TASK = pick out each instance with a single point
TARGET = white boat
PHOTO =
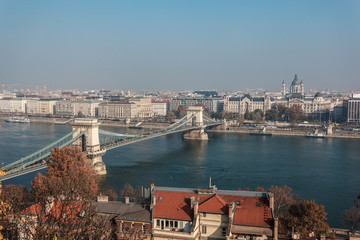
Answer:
(315, 134)
(17, 119)
(261, 133)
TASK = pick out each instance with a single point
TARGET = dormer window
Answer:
(257, 204)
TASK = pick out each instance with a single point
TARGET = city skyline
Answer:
(160, 45)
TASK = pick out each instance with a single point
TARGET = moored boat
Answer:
(17, 119)
(315, 134)
(261, 133)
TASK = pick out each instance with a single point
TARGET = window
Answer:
(171, 224)
(143, 229)
(167, 223)
(223, 233)
(204, 214)
(203, 229)
(258, 204)
(176, 224)
(181, 225)
(158, 223)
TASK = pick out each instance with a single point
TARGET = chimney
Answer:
(196, 209)
(192, 201)
(153, 201)
(271, 200)
(231, 212)
(127, 200)
(102, 198)
(152, 188)
(276, 228)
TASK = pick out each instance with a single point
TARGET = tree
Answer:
(170, 116)
(282, 112)
(67, 175)
(283, 198)
(247, 114)
(63, 197)
(4, 207)
(181, 111)
(127, 191)
(18, 198)
(351, 218)
(295, 113)
(272, 114)
(134, 195)
(258, 115)
(357, 202)
(259, 189)
(110, 192)
(306, 217)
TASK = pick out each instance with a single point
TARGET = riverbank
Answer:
(63, 121)
(284, 131)
(300, 132)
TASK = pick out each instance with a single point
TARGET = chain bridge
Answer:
(94, 142)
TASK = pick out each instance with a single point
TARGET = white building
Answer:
(245, 103)
(86, 108)
(160, 107)
(13, 105)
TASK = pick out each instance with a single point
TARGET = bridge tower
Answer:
(89, 142)
(198, 134)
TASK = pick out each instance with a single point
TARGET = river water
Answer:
(325, 170)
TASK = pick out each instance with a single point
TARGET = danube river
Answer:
(326, 170)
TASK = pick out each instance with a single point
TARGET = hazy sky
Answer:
(180, 44)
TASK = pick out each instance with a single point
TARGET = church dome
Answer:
(295, 81)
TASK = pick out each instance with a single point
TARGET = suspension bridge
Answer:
(94, 142)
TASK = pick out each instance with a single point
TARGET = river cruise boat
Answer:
(17, 120)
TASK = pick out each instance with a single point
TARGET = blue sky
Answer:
(180, 44)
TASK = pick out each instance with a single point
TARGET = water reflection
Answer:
(196, 149)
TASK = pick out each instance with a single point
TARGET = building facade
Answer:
(213, 104)
(184, 213)
(118, 110)
(352, 107)
(317, 103)
(240, 105)
(161, 107)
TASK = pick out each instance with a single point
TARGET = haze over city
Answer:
(178, 45)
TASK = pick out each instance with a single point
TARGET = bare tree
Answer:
(351, 218)
(283, 198)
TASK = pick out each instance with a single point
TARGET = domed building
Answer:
(310, 104)
(297, 88)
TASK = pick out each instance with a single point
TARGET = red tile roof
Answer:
(174, 205)
(66, 212)
(177, 205)
(214, 204)
(248, 213)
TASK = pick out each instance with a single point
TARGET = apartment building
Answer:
(118, 110)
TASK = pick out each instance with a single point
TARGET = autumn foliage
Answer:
(306, 217)
(67, 176)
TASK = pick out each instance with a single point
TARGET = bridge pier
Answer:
(89, 142)
(197, 134)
